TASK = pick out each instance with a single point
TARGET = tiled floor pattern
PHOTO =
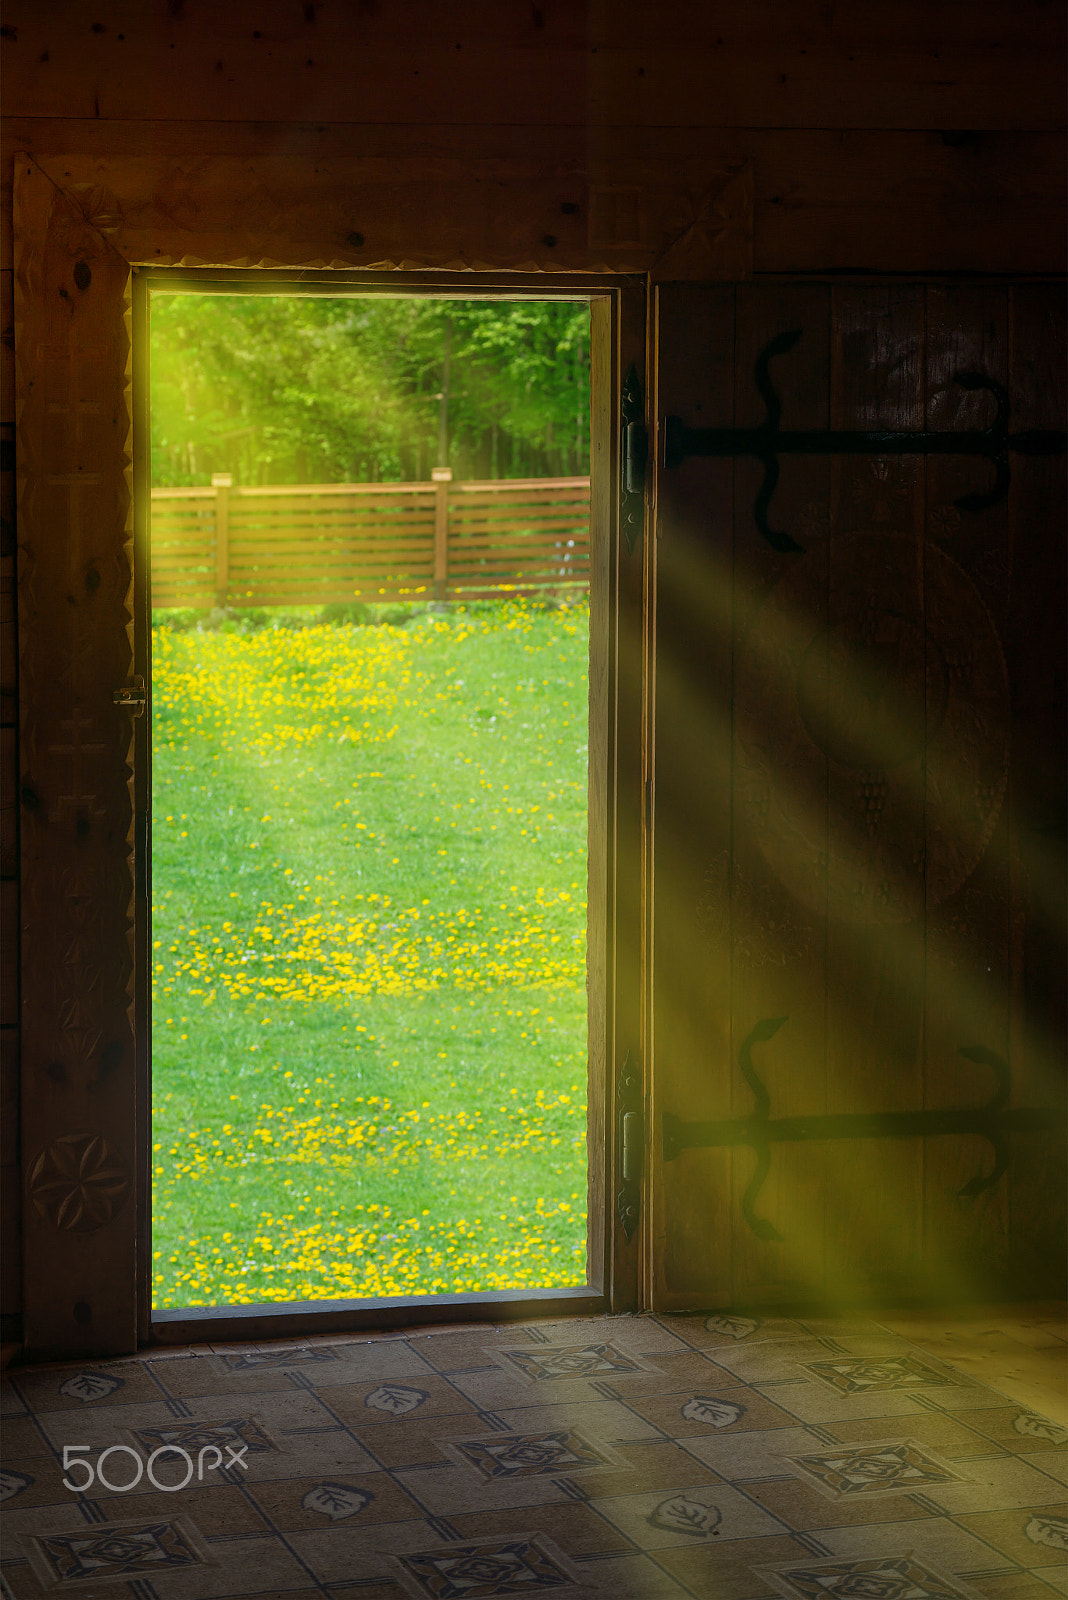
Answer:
(633, 1458)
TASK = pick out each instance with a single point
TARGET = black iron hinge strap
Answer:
(994, 1122)
(767, 442)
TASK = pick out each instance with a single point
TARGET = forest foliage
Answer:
(288, 389)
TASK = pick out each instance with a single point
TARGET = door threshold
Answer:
(312, 1318)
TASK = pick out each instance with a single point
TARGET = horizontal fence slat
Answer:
(332, 512)
(321, 544)
(351, 539)
(505, 558)
(489, 486)
(276, 491)
(315, 531)
(305, 547)
(558, 550)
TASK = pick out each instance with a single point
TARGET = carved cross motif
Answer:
(78, 748)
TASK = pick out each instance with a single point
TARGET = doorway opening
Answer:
(378, 914)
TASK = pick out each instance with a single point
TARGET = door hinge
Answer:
(132, 697)
(634, 437)
(630, 1144)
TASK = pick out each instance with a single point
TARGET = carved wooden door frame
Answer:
(85, 231)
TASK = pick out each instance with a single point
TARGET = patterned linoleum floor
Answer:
(635, 1458)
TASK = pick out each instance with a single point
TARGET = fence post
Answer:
(442, 477)
(221, 482)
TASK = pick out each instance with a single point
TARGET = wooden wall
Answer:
(687, 138)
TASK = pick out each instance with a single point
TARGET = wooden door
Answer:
(858, 776)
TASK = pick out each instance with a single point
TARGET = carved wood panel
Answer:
(78, 1080)
(384, 212)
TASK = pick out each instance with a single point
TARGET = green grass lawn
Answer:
(369, 1013)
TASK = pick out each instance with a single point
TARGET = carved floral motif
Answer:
(78, 1183)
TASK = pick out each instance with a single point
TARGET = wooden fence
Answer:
(322, 543)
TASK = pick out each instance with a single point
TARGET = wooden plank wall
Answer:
(693, 138)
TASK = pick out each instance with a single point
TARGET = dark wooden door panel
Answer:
(854, 803)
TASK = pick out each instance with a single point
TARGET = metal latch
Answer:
(132, 698)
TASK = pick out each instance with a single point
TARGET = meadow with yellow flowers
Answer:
(369, 954)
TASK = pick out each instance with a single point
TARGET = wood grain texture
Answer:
(777, 945)
(11, 1239)
(11, 1223)
(861, 889)
(875, 939)
(1038, 799)
(1018, 1349)
(968, 977)
(690, 771)
(8, 644)
(9, 859)
(10, 1175)
(604, 320)
(383, 213)
(629, 648)
(855, 199)
(805, 65)
(9, 1096)
(79, 1091)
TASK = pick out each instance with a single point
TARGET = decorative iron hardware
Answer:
(768, 442)
(994, 1122)
(132, 698)
(629, 1143)
(634, 438)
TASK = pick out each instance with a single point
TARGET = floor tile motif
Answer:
(13, 1483)
(335, 1500)
(1047, 1530)
(240, 1434)
(86, 1386)
(1036, 1427)
(396, 1398)
(606, 1458)
(897, 1468)
(571, 1361)
(716, 1413)
(684, 1513)
(520, 1455)
(467, 1571)
(881, 1579)
(91, 1555)
(856, 1376)
(256, 1360)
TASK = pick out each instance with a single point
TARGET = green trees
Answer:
(290, 389)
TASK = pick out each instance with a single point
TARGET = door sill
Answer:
(311, 1318)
